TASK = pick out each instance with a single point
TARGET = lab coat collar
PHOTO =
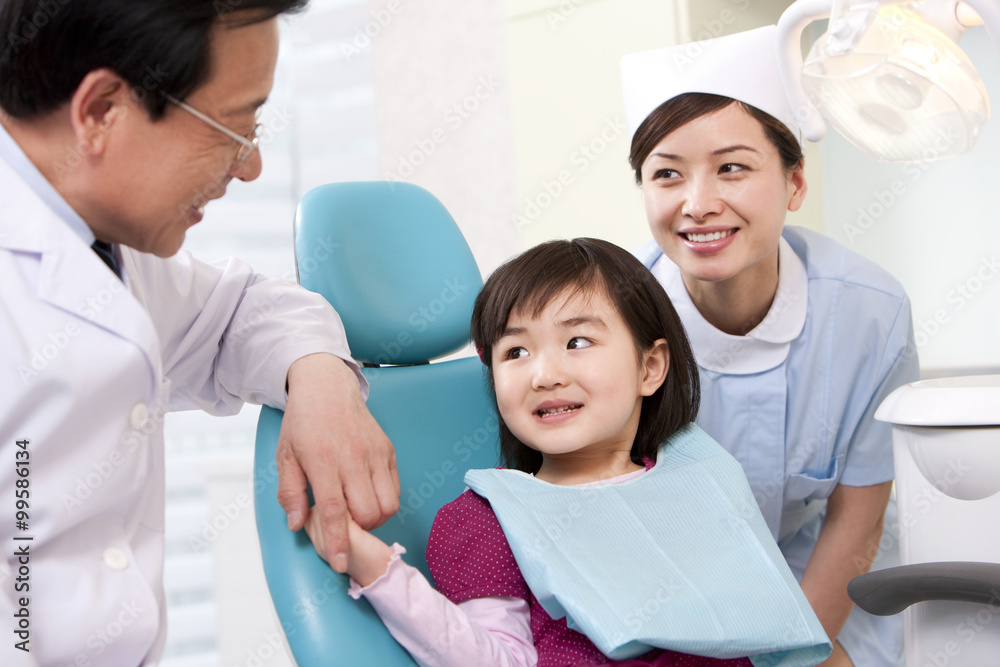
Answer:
(70, 276)
(12, 154)
(764, 347)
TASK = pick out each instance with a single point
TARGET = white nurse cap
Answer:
(743, 66)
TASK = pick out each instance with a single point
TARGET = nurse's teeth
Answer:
(704, 238)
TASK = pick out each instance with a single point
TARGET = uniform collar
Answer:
(764, 347)
(35, 220)
(11, 153)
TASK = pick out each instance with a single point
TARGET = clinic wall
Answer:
(570, 135)
(511, 113)
(442, 112)
(570, 141)
(936, 227)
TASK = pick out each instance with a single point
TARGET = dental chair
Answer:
(945, 433)
(393, 263)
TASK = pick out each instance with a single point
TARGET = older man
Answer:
(121, 120)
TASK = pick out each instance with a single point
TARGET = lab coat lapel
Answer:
(74, 278)
(71, 276)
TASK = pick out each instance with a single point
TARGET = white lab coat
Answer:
(88, 366)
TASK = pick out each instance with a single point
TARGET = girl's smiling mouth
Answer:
(550, 412)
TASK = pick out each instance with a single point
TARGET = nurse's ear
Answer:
(797, 186)
(102, 100)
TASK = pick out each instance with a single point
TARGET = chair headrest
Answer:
(391, 260)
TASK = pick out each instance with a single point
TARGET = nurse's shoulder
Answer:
(648, 253)
(826, 259)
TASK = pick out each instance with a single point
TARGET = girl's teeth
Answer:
(556, 411)
(704, 238)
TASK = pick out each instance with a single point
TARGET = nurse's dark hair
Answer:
(684, 108)
(526, 284)
(156, 46)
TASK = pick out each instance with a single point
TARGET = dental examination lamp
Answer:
(888, 74)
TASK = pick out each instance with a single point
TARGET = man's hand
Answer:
(329, 439)
(368, 556)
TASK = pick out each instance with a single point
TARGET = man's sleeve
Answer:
(228, 335)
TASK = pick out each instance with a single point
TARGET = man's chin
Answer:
(166, 253)
(162, 247)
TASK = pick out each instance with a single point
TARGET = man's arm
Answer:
(229, 335)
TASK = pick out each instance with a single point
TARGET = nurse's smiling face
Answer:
(716, 195)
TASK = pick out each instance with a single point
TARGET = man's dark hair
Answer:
(48, 46)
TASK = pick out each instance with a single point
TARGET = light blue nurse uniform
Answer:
(793, 400)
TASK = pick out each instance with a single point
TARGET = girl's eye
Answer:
(577, 343)
(731, 168)
(516, 353)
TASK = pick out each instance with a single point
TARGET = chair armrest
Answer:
(890, 591)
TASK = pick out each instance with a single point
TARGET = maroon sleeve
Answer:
(468, 554)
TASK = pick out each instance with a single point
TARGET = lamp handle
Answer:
(989, 12)
(790, 26)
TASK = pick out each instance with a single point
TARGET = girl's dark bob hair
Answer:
(527, 283)
(684, 108)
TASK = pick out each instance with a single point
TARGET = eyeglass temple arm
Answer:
(249, 145)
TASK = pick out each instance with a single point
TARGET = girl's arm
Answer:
(435, 631)
(847, 546)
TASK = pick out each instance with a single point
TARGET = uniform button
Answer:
(139, 416)
(115, 558)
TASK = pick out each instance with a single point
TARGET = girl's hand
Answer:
(367, 557)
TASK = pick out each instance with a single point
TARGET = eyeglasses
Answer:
(248, 143)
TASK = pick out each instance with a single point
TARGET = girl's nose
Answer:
(702, 199)
(548, 372)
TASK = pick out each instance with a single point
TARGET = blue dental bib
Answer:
(677, 558)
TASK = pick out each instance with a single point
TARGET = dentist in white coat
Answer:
(119, 121)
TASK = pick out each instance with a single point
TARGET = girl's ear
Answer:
(656, 363)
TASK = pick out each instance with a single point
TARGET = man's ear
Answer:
(656, 363)
(102, 100)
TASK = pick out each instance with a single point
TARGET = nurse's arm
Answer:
(847, 545)
(329, 439)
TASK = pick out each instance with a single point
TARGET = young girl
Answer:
(798, 340)
(614, 512)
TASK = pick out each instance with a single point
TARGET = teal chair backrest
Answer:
(395, 266)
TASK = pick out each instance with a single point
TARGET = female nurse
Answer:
(797, 339)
